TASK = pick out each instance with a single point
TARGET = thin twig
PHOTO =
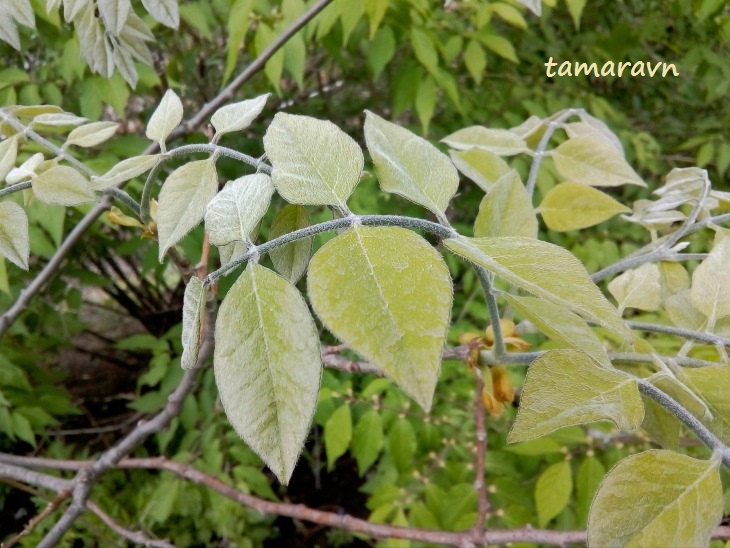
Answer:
(134, 536)
(48, 510)
(481, 446)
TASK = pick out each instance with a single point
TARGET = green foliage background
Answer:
(434, 68)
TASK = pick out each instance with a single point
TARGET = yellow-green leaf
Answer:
(387, 293)
(566, 387)
(337, 434)
(562, 326)
(90, 135)
(183, 200)
(712, 384)
(506, 210)
(314, 161)
(638, 288)
(8, 155)
(192, 319)
(291, 260)
(546, 271)
(475, 60)
(590, 474)
(124, 171)
(14, 240)
(481, 166)
(409, 165)
(593, 161)
(499, 141)
(268, 366)
(570, 206)
(552, 491)
(711, 281)
(657, 498)
(62, 185)
(367, 440)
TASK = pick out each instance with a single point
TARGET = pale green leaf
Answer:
(314, 162)
(183, 201)
(124, 171)
(594, 127)
(8, 29)
(295, 58)
(562, 326)
(409, 165)
(712, 383)
(566, 387)
(593, 161)
(552, 491)
(166, 117)
(402, 444)
(232, 251)
(387, 294)
(58, 119)
(22, 12)
(660, 424)
(380, 50)
(90, 135)
(475, 60)
(62, 185)
(8, 155)
(589, 477)
(711, 281)
(192, 321)
(683, 313)
(268, 366)
(575, 7)
(14, 240)
(506, 210)
(499, 141)
(657, 498)
(367, 440)
(638, 288)
(291, 260)
(114, 13)
(337, 434)
(236, 210)
(535, 6)
(164, 11)
(237, 116)
(26, 170)
(570, 206)
(481, 166)
(546, 271)
(673, 278)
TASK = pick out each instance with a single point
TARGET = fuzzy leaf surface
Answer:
(409, 165)
(566, 387)
(481, 166)
(291, 260)
(546, 271)
(236, 210)
(561, 325)
(498, 141)
(593, 161)
(314, 161)
(124, 171)
(638, 288)
(166, 117)
(633, 509)
(571, 206)
(183, 201)
(268, 366)
(62, 185)
(506, 210)
(387, 293)
(711, 281)
(90, 135)
(14, 240)
(193, 315)
(237, 116)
